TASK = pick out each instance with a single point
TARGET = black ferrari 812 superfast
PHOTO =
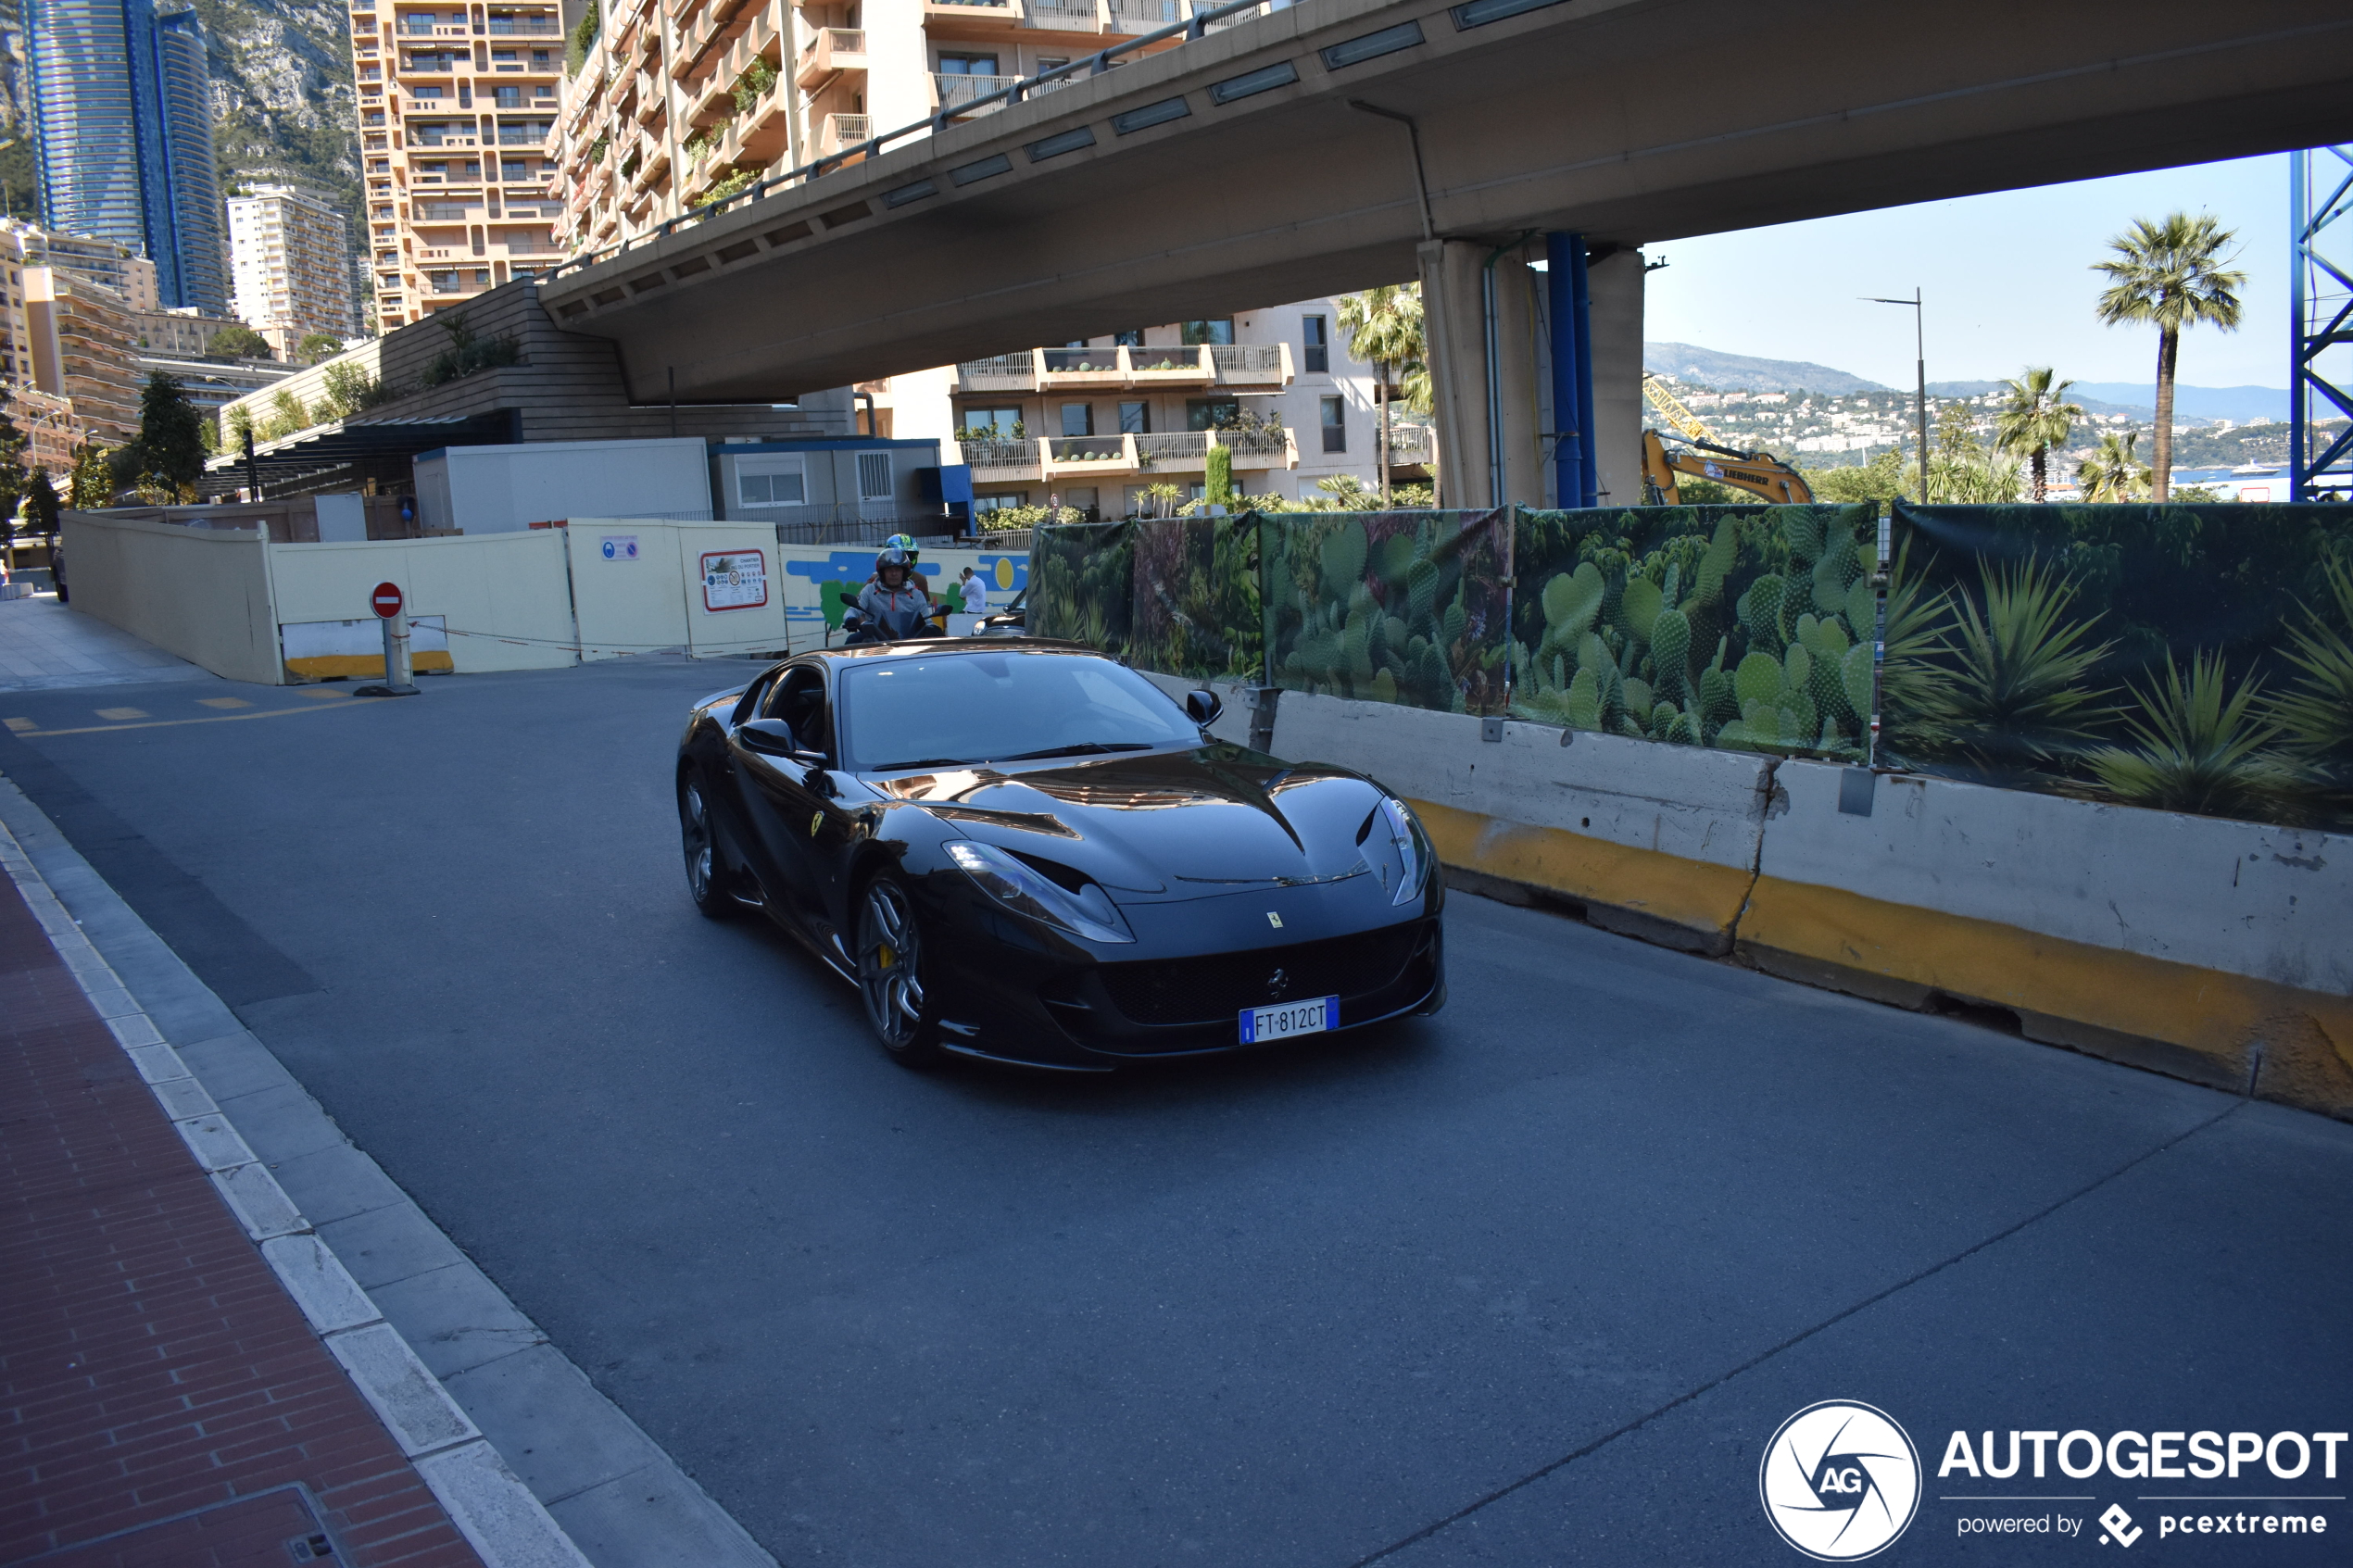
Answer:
(1019, 850)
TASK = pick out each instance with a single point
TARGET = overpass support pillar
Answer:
(1614, 419)
(1478, 308)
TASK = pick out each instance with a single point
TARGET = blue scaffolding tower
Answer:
(2321, 294)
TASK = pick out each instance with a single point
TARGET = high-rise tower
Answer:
(123, 128)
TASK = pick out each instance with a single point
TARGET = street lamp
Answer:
(1920, 364)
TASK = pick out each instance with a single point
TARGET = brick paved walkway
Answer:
(162, 1398)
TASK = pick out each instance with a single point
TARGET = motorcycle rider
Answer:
(893, 605)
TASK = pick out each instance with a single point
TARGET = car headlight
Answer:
(1408, 843)
(1022, 888)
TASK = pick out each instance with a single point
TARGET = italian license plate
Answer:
(1311, 1017)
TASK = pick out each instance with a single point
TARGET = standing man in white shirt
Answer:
(975, 591)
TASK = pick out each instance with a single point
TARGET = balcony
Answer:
(1078, 456)
(1174, 450)
(1252, 364)
(1131, 17)
(956, 91)
(524, 27)
(1411, 446)
(1002, 372)
(1001, 462)
(831, 52)
(1062, 17)
(836, 133)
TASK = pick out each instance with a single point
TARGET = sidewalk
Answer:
(45, 644)
(163, 1399)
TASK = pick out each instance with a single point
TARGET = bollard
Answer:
(396, 682)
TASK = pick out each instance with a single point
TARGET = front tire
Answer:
(706, 867)
(890, 975)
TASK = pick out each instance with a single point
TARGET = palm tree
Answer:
(1384, 327)
(2171, 273)
(2034, 419)
(2114, 472)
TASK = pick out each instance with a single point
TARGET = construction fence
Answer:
(2194, 659)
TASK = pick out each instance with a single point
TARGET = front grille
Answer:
(1215, 989)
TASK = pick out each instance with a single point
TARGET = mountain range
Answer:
(1740, 373)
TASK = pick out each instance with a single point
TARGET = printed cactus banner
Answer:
(1196, 598)
(2189, 658)
(1742, 627)
(1081, 584)
(1393, 607)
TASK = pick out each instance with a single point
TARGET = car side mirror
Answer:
(1203, 706)
(770, 738)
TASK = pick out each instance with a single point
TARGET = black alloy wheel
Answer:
(890, 970)
(706, 872)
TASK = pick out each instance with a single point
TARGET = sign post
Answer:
(391, 609)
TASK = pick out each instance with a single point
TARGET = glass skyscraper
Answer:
(127, 154)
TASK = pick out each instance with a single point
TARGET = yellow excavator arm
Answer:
(1760, 473)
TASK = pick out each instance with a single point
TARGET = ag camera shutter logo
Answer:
(1840, 1481)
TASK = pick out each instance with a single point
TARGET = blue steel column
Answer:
(1569, 305)
(2298, 173)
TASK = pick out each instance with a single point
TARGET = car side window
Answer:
(799, 700)
(754, 695)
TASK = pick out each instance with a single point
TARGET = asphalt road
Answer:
(1531, 1282)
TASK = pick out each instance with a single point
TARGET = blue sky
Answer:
(2005, 277)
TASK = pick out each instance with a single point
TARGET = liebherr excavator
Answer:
(1697, 453)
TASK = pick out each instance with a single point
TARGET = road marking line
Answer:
(320, 691)
(120, 713)
(20, 725)
(222, 702)
(210, 719)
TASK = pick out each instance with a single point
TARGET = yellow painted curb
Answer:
(1690, 896)
(326, 665)
(2227, 1030)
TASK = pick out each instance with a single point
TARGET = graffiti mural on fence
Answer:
(1081, 584)
(1395, 607)
(1196, 597)
(1743, 627)
(2185, 658)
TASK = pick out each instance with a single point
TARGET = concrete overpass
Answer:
(1245, 168)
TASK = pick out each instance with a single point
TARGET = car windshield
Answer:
(966, 707)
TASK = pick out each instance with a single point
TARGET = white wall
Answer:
(200, 592)
(499, 489)
(504, 598)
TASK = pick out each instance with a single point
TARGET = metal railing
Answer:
(522, 30)
(1003, 453)
(1246, 356)
(1144, 12)
(849, 131)
(1066, 18)
(1199, 23)
(1257, 443)
(1411, 443)
(957, 90)
(1187, 449)
(1006, 365)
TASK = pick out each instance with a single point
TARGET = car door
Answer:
(783, 795)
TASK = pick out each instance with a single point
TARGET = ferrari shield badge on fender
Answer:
(1274, 920)
(816, 821)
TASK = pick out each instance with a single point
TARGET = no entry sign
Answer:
(385, 600)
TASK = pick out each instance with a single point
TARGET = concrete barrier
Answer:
(2212, 951)
(200, 592)
(504, 599)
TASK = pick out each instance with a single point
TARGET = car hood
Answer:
(1163, 825)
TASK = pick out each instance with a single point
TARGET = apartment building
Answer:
(683, 101)
(286, 250)
(81, 344)
(120, 107)
(457, 102)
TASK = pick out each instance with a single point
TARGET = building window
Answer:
(1334, 425)
(1209, 413)
(1316, 337)
(873, 476)
(968, 65)
(771, 482)
(1135, 418)
(1220, 331)
(1002, 423)
(984, 505)
(1078, 418)
(1132, 338)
